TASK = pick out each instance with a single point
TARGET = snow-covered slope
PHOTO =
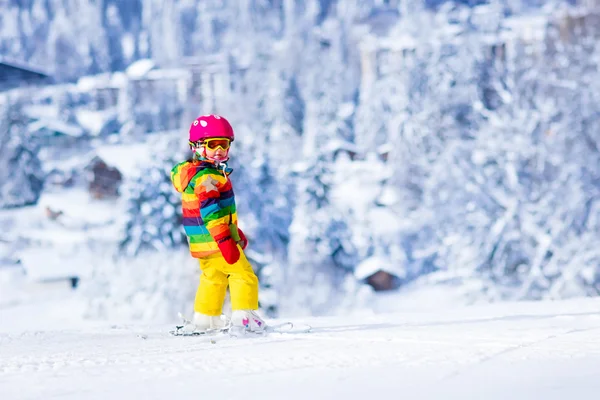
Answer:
(547, 350)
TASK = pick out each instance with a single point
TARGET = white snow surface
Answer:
(543, 350)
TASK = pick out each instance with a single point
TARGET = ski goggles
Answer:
(213, 144)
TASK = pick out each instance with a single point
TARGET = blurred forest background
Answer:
(382, 146)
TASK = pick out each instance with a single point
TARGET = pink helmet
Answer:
(210, 126)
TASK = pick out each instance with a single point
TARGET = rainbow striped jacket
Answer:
(208, 204)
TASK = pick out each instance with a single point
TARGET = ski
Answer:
(232, 331)
(283, 328)
(180, 331)
(288, 327)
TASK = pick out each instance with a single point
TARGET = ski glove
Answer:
(243, 241)
(229, 249)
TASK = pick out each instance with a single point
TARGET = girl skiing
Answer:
(210, 222)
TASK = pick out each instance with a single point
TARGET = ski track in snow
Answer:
(474, 352)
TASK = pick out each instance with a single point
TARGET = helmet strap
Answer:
(218, 161)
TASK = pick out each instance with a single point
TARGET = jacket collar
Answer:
(221, 166)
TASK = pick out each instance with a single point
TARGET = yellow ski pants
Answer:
(216, 276)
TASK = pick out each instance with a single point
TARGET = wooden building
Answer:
(14, 74)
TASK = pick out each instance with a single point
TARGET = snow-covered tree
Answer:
(154, 212)
(321, 251)
(21, 175)
(499, 197)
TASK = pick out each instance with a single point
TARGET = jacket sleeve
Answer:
(208, 188)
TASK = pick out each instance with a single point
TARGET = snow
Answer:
(102, 81)
(37, 111)
(398, 43)
(346, 110)
(128, 158)
(89, 83)
(470, 187)
(374, 264)
(140, 68)
(94, 120)
(58, 250)
(547, 350)
(164, 74)
(51, 263)
(55, 125)
(76, 204)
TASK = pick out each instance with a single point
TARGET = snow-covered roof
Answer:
(339, 144)
(102, 81)
(56, 125)
(127, 158)
(385, 148)
(94, 120)
(37, 111)
(171, 73)
(140, 68)
(25, 66)
(87, 83)
(375, 264)
(17, 76)
(118, 79)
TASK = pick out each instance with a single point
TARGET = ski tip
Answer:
(289, 327)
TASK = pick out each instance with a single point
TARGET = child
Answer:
(210, 222)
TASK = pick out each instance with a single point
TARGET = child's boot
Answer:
(247, 320)
(202, 322)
